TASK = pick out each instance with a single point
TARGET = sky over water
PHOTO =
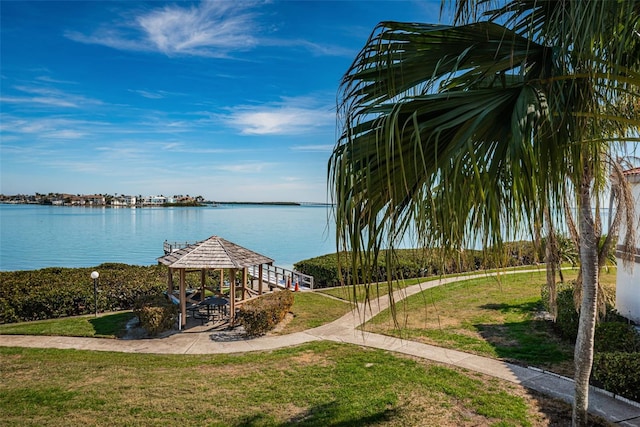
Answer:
(231, 100)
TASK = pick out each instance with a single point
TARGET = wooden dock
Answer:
(282, 278)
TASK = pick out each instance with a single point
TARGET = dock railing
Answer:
(282, 278)
(173, 246)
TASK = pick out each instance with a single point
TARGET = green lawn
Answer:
(377, 290)
(316, 384)
(111, 325)
(311, 309)
(494, 317)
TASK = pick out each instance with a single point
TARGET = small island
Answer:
(121, 200)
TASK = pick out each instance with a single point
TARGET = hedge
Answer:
(61, 292)
(412, 263)
(616, 364)
(262, 314)
(568, 318)
(618, 373)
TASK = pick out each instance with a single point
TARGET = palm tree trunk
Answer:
(583, 354)
(551, 259)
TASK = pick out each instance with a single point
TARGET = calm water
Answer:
(33, 236)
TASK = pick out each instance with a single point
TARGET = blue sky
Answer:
(231, 100)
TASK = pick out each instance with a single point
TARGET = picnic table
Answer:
(215, 306)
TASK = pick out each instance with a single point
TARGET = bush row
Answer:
(60, 292)
(411, 263)
(616, 365)
(619, 373)
(262, 314)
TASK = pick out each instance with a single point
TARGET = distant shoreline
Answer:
(171, 205)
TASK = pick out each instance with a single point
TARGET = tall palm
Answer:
(460, 133)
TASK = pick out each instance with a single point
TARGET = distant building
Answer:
(154, 200)
(628, 279)
(94, 199)
(123, 201)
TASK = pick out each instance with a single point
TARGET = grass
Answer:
(316, 384)
(311, 309)
(382, 289)
(112, 325)
(493, 317)
(375, 291)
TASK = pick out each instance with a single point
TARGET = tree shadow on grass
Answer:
(531, 342)
(527, 307)
(111, 325)
(330, 414)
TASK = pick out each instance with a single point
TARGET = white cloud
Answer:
(48, 79)
(220, 24)
(65, 134)
(53, 102)
(292, 116)
(48, 96)
(178, 147)
(47, 127)
(244, 168)
(325, 148)
(210, 29)
(148, 94)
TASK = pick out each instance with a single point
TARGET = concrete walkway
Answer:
(616, 410)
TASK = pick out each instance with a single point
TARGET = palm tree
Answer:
(468, 132)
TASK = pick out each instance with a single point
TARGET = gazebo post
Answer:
(170, 281)
(232, 293)
(203, 279)
(221, 279)
(260, 279)
(245, 279)
(183, 298)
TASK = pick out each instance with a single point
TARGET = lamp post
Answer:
(94, 276)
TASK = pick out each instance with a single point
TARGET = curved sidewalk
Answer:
(619, 411)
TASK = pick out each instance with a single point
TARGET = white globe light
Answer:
(94, 275)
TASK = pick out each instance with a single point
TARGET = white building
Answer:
(628, 278)
(155, 200)
(128, 201)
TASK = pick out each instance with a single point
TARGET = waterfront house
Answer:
(123, 201)
(628, 277)
(154, 200)
(94, 199)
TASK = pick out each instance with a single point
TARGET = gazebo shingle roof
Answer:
(213, 253)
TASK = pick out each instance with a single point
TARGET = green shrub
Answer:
(568, 317)
(262, 314)
(155, 313)
(60, 292)
(616, 337)
(606, 330)
(618, 373)
(7, 313)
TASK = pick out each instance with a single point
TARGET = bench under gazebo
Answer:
(214, 253)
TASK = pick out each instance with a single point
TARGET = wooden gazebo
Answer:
(214, 253)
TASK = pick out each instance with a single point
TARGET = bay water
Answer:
(36, 236)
